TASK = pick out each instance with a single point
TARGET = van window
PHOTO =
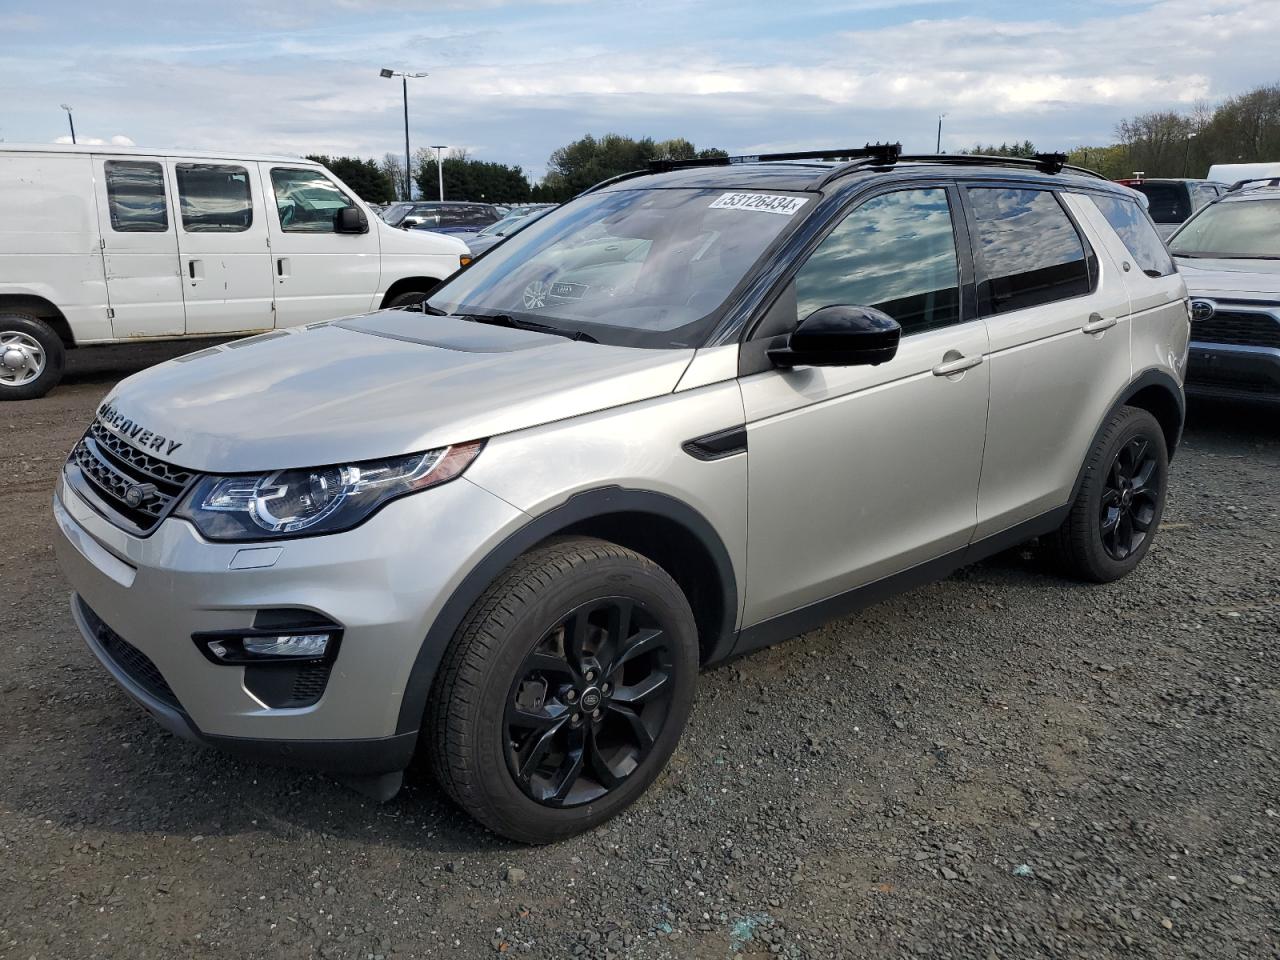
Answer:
(214, 198)
(897, 253)
(306, 200)
(1139, 236)
(135, 196)
(1027, 247)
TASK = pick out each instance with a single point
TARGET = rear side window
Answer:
(1139, 236)
(214, 198)
(307, 201)
(897, 253)
(1028, 248)
(135, 196)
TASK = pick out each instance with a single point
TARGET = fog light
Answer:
(307, 645)
(267, 647)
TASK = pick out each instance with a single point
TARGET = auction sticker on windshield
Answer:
(761, 202)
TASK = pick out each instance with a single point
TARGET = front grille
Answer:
(1239, 327)
(135, 664)
(111, 466)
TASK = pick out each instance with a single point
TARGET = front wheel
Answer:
(565, 690)
(31, 357)
(1120, 502)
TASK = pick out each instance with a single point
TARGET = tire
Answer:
(31, 357)
(1091, 544)
(485, 689)
(413, 298)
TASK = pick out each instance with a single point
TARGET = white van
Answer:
(1230, 173)
(104, 244)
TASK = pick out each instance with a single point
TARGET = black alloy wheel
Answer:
(1129, 498)
(589, 702)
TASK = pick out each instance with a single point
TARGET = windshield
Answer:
(645, 268)
(1166, 202)
(1235, 229)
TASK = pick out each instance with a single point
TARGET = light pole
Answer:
(387, 74)
(70, 121)
(439, 167)
(1186, 157)
(938, 147)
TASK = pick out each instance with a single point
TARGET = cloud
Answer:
(516, 80)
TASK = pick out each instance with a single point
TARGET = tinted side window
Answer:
(135, 196)
(1027, 247)
(306, 200)
(214, 198)
(1139, 236)
(897, 253)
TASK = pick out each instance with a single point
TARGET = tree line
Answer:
(570, 170)
(1166, 143)
(1241, 129)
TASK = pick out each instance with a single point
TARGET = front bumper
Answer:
(1233, 371)
(382, 583)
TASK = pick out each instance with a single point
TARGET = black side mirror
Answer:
(840, 336)
(350, 220)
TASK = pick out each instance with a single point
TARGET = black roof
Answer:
(809, 175)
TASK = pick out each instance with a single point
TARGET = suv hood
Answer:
(374, 386)
(1231, 279)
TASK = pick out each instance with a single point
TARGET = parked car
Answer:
(1171, 201)
(107, 244)
(688, 414)
(514, 222)
(1229, 255)
(447, 217)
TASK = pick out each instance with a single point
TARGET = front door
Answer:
(139, 248)
(858, 473)
(222, 240)
(319, 273)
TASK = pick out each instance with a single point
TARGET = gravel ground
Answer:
(1002, 765)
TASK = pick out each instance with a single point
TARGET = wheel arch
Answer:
(43, 309)
(1161, 396)
(408, 285)
(666, 530)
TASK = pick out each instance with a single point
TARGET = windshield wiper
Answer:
(506, 320)
(433, 311)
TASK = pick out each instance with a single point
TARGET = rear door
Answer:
(1058, 317)
(319, 273)
(222, 239)
(139, 247)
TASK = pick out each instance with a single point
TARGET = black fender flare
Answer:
(587, 505)
(1148, 378)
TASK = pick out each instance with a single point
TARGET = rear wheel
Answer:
(1120, 502)
(565, 691)
(413, 298)
(31, 357)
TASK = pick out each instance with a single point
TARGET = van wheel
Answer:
(565, 690)
(411, 299)
(31, 357)
(1119, 505)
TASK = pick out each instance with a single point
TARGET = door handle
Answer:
(282, 267)
(959, 365)
(195, 269)
(1096, 324)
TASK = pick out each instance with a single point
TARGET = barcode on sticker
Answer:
(762, 202)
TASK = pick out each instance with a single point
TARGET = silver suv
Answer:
(695, 411)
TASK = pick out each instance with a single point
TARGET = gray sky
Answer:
(510, 81)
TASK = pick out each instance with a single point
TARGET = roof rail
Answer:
(1241, 184)
(1044, 162)
(877, 152)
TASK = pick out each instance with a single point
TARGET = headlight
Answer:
(288, 503)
